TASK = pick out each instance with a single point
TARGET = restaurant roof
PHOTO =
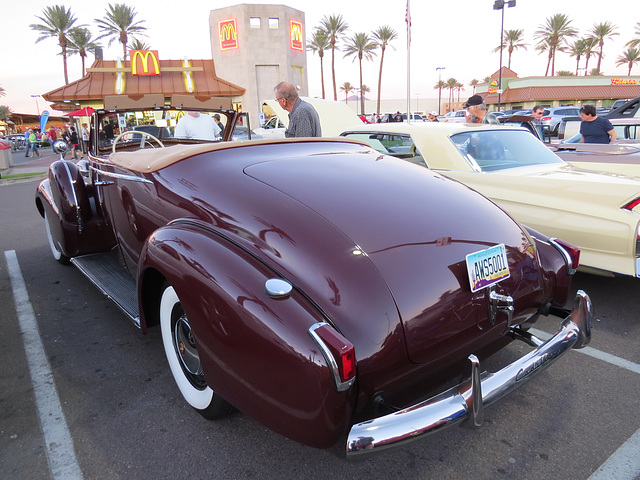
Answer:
(107, 77)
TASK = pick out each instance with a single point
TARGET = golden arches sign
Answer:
(295, 33)
(228, 32)
(140, 59)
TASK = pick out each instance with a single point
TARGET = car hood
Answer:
(380, 246)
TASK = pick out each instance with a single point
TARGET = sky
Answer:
(459, 35)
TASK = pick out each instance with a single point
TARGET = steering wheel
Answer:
(142, 142)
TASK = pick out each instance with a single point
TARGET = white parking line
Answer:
(592, 352)
(624, 464)
(57, 439)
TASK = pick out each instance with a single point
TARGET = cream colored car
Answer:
(597, 212)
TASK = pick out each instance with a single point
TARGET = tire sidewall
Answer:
(198, 399)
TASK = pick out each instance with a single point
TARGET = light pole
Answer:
(499, 5)
(439, 70)
(417, 99)
(37, 106)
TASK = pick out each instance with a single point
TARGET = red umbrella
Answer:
(83, 112)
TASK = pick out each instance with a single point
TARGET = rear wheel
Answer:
(55, 251)
(184, 360)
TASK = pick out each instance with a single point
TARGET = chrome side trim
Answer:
(121, 176)
(467, 400)
(565, 255)
(331, 362)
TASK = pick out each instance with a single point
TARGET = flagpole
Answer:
(408, 20)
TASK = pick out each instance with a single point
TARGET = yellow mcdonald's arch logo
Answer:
(141, 57)
(295, 32)
(228, 31)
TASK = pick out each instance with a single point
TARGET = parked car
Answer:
(627, 131)
(17, 141)
(626, 110)
(552, 116)
(597, 212)
(311, 283)
(274, 128)
(334, 117)
(454, 116)
(527, 121)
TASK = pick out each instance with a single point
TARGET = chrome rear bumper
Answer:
(467, 400)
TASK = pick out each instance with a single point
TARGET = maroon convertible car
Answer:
(313, 284)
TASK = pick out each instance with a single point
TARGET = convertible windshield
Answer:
(493, 150)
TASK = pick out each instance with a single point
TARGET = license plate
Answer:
(487, 267)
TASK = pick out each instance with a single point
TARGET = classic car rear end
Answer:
(314, 284)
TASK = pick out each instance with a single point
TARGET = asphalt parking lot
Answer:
(86, 395)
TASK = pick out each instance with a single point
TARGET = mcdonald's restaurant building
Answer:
(253, 47)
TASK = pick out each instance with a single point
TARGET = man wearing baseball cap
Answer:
(433, 116)
(477, 111)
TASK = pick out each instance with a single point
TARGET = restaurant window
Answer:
(254, 22)
(274, 22)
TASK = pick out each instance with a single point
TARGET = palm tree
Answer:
(319, 43)
(334, 26)
(57, 22)
(360, 46)
(5, 112)
(3, 92)
(552, 37)
(459, 88)
(590, 43)
(439, 86)
(474, 83)
(451, 85)
(630, 56)
(602, 31)
(347, 88)
(138, 44)
(577, 49)
(80, 42)
(636, 41)
(383, 36)
(119, 24)
(513, 40)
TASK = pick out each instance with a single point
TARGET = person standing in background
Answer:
(303, 118)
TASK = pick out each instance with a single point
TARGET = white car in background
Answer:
(334, 118)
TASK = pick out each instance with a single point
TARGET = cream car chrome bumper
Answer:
(466, 401)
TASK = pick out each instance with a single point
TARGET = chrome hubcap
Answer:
(185, 346)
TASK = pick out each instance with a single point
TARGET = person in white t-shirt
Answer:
(197, 125)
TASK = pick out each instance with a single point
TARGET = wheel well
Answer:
(150, 292)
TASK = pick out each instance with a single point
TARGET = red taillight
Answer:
(632, 204)
(338, 352)
(570, 252)
(543, 119)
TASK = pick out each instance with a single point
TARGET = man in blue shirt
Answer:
(595, 129)
(303, 118)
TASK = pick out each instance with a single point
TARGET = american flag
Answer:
(407, 18)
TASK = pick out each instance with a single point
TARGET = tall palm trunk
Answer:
(333, 68)
(380, 79)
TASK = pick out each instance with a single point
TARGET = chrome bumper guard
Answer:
(466, 401)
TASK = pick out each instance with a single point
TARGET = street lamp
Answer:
(499, 5)
(439, 70)
(417, 105)
(37, 106)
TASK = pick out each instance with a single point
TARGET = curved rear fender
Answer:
(70, 210)
(257, 352)
(555, 267)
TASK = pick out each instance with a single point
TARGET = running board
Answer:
(106, 272)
